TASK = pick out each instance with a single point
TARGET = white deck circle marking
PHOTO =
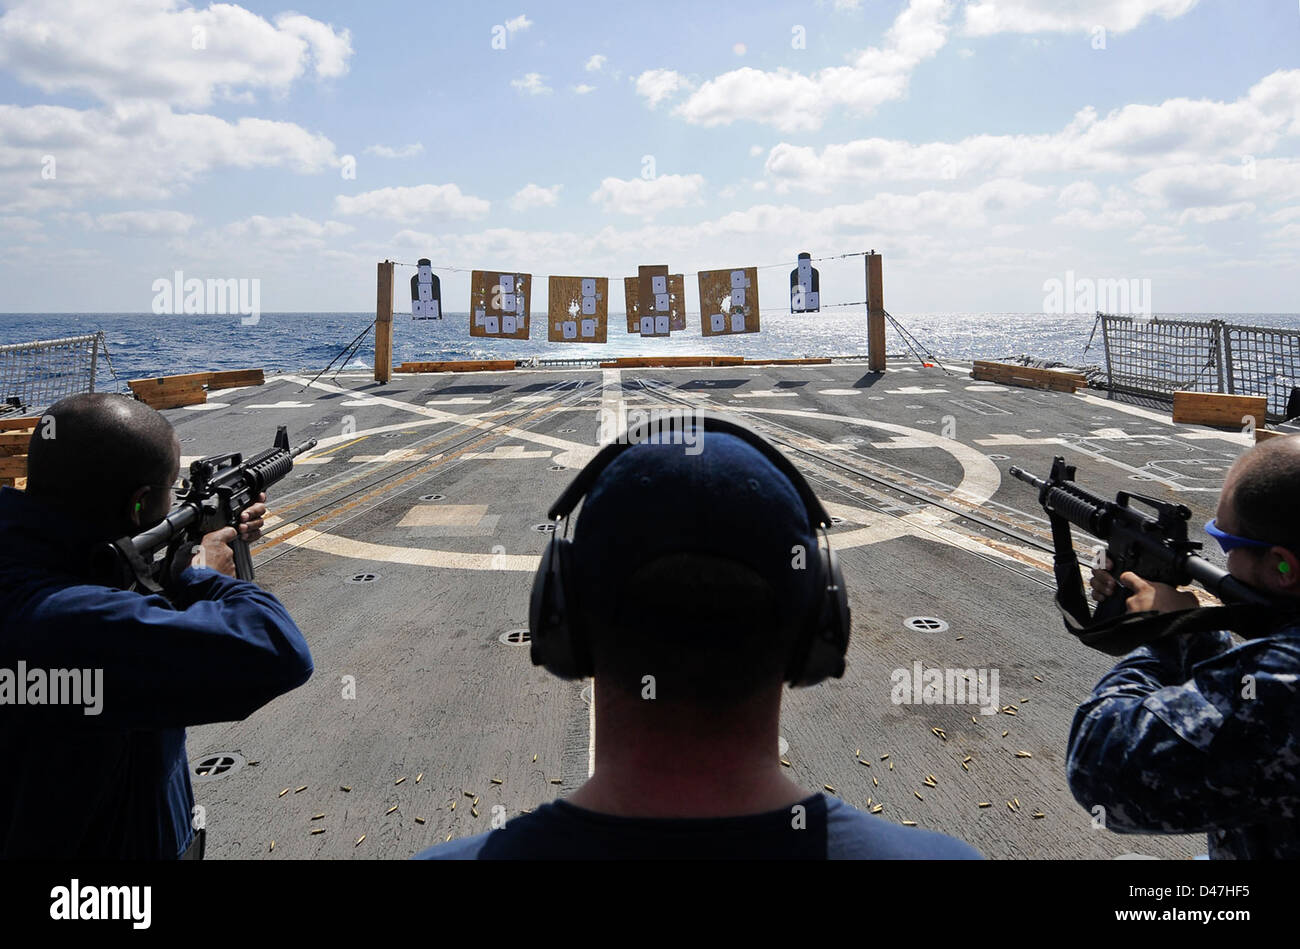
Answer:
(980, 480)
(415, 556)
(980, 476)
(206, 406)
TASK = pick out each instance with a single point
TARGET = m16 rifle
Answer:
(1153, 546)
(219, 488)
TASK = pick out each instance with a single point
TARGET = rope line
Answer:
(448, 268)
(346, 349)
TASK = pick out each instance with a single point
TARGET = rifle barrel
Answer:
(1026, 477)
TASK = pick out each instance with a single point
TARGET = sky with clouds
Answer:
(982, 146)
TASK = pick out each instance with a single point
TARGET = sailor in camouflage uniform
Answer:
(1193, 733)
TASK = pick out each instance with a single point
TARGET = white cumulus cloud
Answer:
(402, 151)
(1216, 213)
(1129, 139)
(1270, 181)
(986, 17)
(1111, 215)
(140, 223)
(794, 101)
(1079, 194)
(535, 196)
(407, 203)
(161, 51)
(656, 85)
(293, 226)
(646, 197)
(265, 237)
(140, 152)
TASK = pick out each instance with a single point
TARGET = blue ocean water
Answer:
(149, 345)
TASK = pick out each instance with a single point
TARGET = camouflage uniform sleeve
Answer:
(1190, 735)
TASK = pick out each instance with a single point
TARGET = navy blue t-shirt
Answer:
(825, 829)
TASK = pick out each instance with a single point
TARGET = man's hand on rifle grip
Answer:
(215, 552)
(1102, 583)
(1160, 597)
(251, 520)
(1143, 596)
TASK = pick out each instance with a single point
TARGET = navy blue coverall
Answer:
(116, 784)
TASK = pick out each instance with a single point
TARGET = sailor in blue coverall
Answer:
(110, 778)
(1194, 732)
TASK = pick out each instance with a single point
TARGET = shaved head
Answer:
(90, 452)
(1261, 495)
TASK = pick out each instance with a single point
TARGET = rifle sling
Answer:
(131, 557)
(1121, 635)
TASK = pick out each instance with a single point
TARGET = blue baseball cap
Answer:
(718, 499)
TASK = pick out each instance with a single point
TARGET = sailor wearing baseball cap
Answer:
(693, 587)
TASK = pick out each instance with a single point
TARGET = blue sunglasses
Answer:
(1231, 541)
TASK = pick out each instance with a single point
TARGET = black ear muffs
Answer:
(543, 617)
(558, 640)
(828, 640)
(552, 618)
(824, 639)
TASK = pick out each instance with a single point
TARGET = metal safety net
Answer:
(1160, 357)
(35, 375)
(1262, 361)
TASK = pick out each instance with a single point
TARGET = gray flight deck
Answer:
(405, 544)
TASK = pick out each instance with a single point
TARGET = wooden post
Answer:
(384, 323)
(875, 315)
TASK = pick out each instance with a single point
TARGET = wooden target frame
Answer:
(642, 297)
(497, 300)
(571, 311)
(729, 301)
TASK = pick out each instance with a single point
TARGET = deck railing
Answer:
(35, 375)
(1156, 357)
